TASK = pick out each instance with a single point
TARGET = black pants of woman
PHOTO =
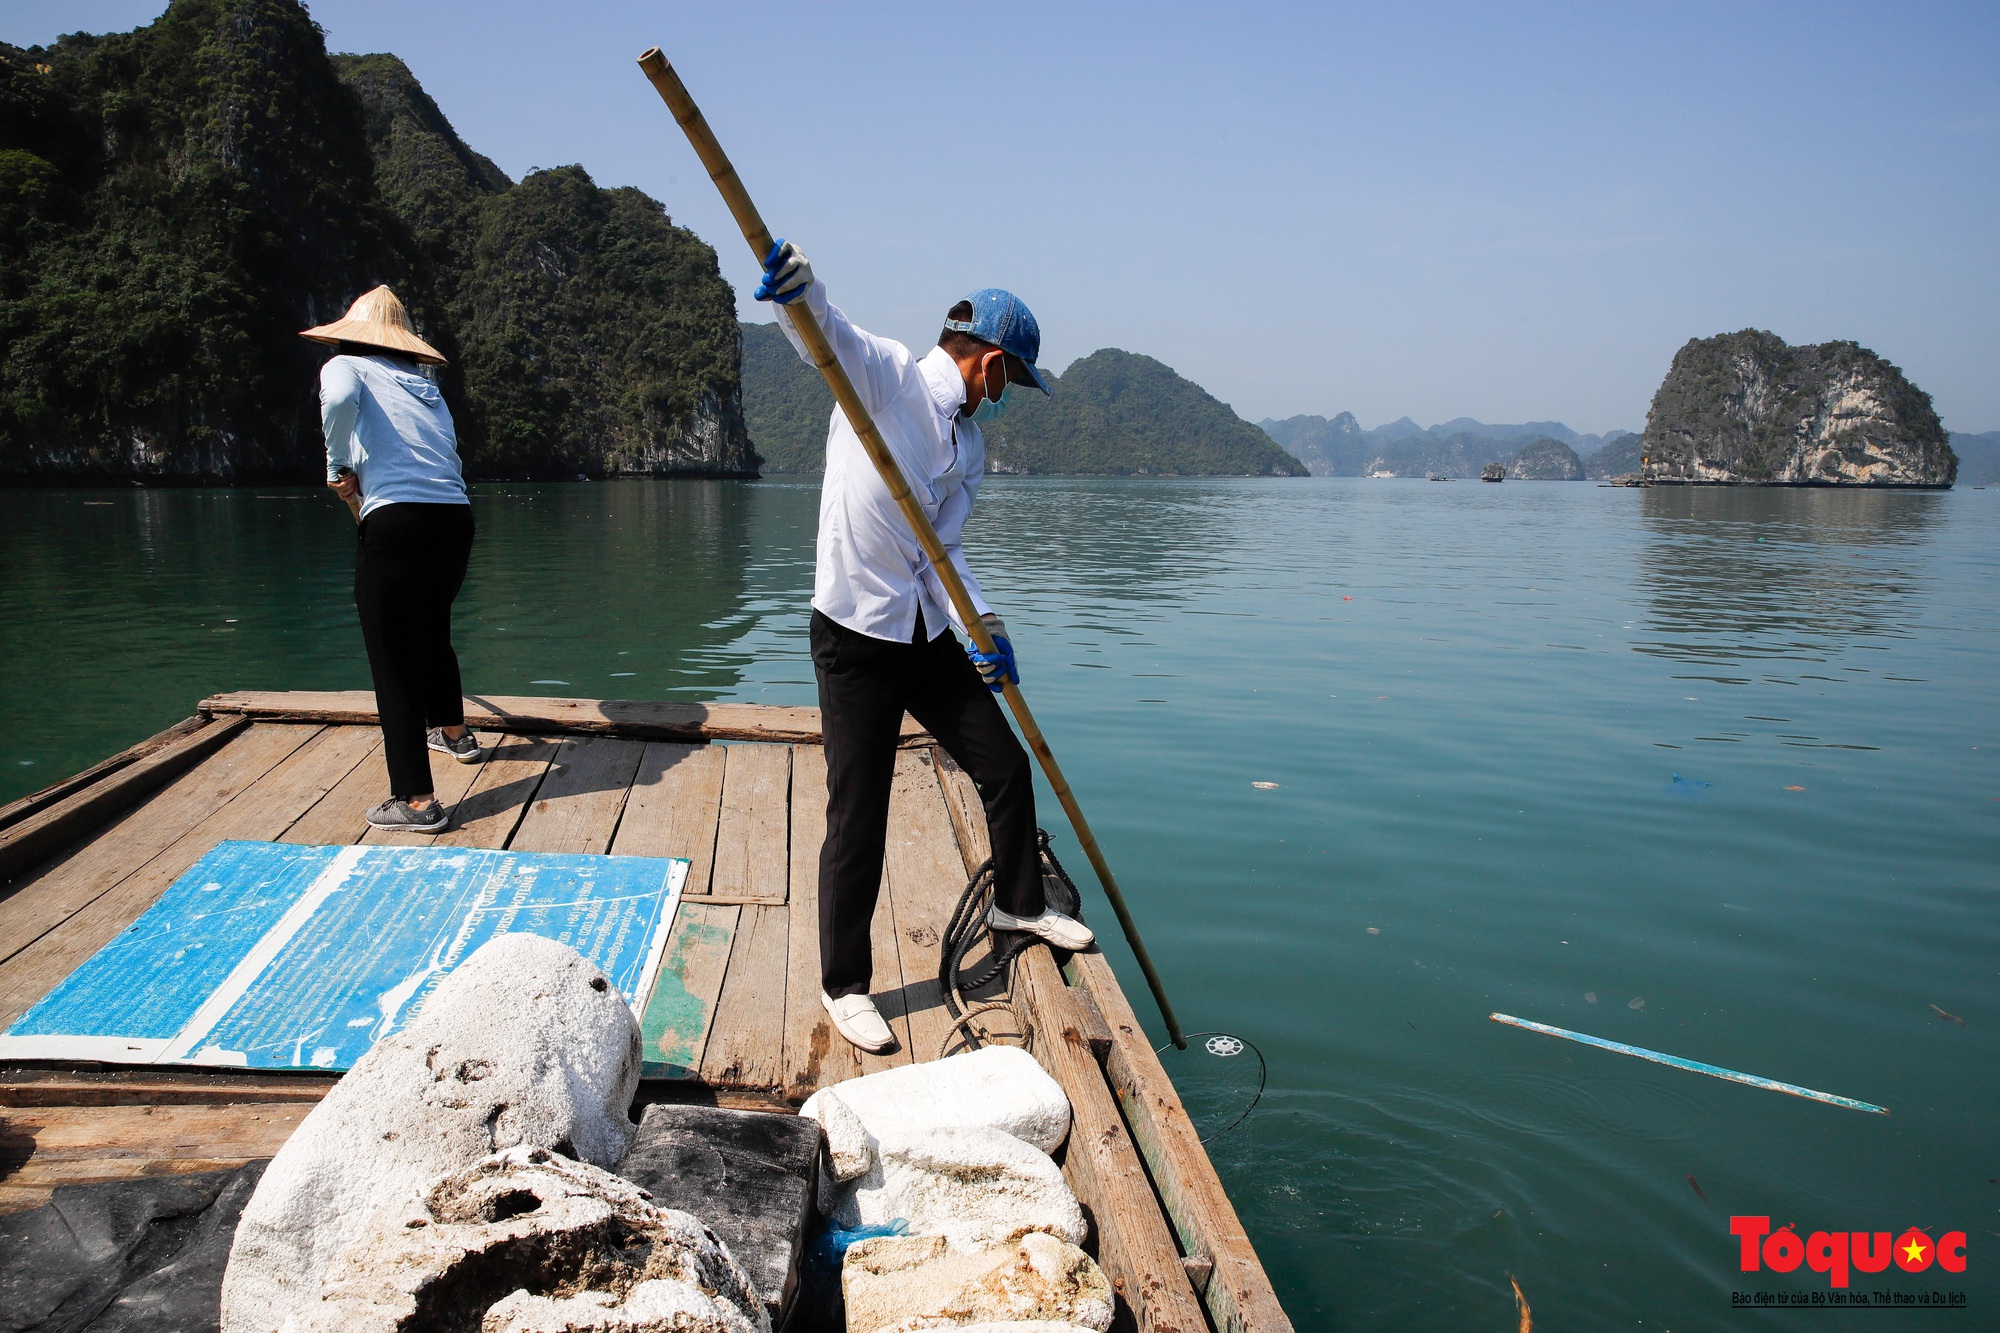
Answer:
(408, 568)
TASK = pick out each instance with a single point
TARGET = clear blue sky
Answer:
(1510, 212)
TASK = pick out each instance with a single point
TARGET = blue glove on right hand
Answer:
(786, 274)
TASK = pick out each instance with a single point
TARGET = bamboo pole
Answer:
(675, 94)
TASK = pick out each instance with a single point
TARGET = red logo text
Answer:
(1836, 1253)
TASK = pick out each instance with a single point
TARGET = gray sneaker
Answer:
(465, 749)
(395, 814)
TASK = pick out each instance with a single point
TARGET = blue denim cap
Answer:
(1001, 318)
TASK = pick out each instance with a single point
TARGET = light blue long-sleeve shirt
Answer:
(391, 426)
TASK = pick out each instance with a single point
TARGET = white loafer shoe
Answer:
(1062, 931)
(858, 1020)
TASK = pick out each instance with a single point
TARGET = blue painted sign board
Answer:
(277, 956)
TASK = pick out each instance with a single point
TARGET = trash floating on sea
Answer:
(1687, 788)
(1265, 786)
(1948, 1017)
(1696, 1184)
(1590, 997)
(1695, 1066)
(548, 682)
(1374, 930)
(1636, 1002)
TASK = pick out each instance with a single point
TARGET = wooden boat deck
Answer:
(741, 791)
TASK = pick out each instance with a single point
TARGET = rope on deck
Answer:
(968, 924)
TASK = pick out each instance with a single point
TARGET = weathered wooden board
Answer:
(816, 1056)
(155, 1087)
(42, 832)
(491, 806)
(1134, 1246)
(262, 811)
(15, 811)
(577, 806)
(341, 816)
(638, 719)
(39, 904)
(673, 807)
(43, 1147)
(746, 1042)
(925, 875)
(752, 836)
(673, 1028)
(1238, 1294)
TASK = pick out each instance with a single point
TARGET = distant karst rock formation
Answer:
(1114, 413)
(1748, 408)
(1546, 460)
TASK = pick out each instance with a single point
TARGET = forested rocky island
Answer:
(1113, 414)
(176, 203)
(1747, 408)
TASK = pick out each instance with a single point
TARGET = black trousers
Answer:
(865, 685)
(409, 565)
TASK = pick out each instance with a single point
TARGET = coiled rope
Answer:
(968, 924)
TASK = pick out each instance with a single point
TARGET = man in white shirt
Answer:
(880, 618)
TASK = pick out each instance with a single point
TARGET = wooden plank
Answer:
(46, 831)
(925, 874)
(578, 804)
(341, 816)
(816, 1056)
(1239, 1293)
(888, 980)
(636, 719)
(673, 1027)
(752, 835)
(148, 1086)
(44, 1147)
(488, 807)
(15, 811)
(675, 801)
(746, 1041)
(1134, 1246)
(262, 811)
(40, 903)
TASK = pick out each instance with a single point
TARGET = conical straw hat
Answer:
(377, 319)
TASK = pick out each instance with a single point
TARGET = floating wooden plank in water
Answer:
(1713, 1071)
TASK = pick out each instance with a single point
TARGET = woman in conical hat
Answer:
(392, 453)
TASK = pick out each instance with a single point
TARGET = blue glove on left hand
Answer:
(996, 667)
(786, 274)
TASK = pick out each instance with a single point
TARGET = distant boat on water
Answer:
(1493, 472)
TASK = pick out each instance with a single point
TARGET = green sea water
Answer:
(1715, 773)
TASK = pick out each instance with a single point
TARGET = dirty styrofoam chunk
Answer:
(481, 1241)
(525, 1043)
(848, 1149)
(649, 1307)
(974, 1187)
(902, 1283)
(996, 1087)
(749, 1176)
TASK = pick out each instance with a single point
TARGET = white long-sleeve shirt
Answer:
(391, 426)
(872, 575)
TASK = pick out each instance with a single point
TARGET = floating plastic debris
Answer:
(1689, 788)
(1948, 1017)
(1696, 1184)
(1795, 789)
(1590, 997)
(548, 682)
(1265, 786)
(1636, 1003)
(1695, 1066)
(1374, 930)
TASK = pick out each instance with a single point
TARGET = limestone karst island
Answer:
(820, 668)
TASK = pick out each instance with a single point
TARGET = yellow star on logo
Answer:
(1914, 1251)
